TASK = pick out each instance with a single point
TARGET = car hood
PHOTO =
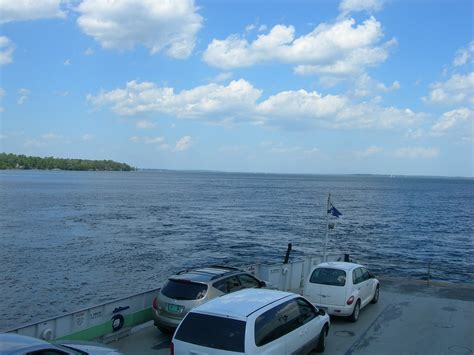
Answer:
(90, 347)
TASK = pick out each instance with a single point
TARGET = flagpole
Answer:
(327, 228)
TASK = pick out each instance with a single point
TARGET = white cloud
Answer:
(22, 10)
(334, 112)
(2, 92)
(159, 142)
(415, 133)
(24, 95)
(464, 55)
(6, 50)
(34, 143)
(145, 124)
(169, 26)
(67, 62)
(62, 93)
(184, 143)
(460, 120)
(87, 137)
(340, 48)
(250, 28)
(370, 151)
(222, 77)
(360, 5)
(364, 86)
(458, 89)
(416, 152)
(238, 101)
(205, 102)
(262, 28)
(89, 51)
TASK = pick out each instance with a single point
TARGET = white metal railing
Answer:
(97, 321)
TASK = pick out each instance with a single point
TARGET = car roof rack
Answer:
(225, 267)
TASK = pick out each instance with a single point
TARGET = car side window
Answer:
(365, 274)
(221, 285)
(277, 322)
(307, 311)
(228, 285)
(248, 281)
(357, 276)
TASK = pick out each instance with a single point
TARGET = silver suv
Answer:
(190, 288)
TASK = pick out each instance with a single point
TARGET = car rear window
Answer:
(327, 276)
(212, 332)
(184, 290)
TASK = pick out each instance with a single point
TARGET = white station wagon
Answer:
(253, 321)
(341, 288)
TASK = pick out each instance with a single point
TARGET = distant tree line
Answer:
(13, 161)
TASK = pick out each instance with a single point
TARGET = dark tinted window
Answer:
(212, 332)
(327, 276)
(277, 322)
(307, 311)
(184, 290)
(228, 285)
(248, 281)
(48, 352)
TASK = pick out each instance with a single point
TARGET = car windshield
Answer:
(184, 290)
(212, 332)
(327, 276)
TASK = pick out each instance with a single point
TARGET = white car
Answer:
(253, 321)
(341, 288)
(16, 344)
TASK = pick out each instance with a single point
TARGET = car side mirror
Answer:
(321, 312)
(263, 284)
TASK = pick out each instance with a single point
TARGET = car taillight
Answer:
(155, 306)
(172, 348)
(350, 300)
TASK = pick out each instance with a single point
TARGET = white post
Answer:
(327, 228)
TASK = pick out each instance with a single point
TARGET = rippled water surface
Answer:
(73, 239)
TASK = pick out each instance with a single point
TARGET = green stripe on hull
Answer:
(100, 330)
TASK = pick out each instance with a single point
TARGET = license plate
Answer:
(174, 308)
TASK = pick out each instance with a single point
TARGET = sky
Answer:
(318, 87)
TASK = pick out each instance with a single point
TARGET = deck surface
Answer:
(410, 318)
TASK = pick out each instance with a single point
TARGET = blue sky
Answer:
(356, 86)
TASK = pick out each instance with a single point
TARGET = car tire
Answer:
(322, 340)
(375, 299)
(164, 330)
(355, 313)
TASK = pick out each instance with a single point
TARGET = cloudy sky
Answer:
(356, 86)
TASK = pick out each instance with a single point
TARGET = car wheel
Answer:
(375, 299)
(164, 330)
(322, 340)
(355, 313)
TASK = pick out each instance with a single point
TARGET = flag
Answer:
(333, 211)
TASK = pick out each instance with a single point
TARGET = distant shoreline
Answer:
(23, 162)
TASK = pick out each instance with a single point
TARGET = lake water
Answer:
(74, 239)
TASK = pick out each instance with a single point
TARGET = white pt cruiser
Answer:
(341, 288)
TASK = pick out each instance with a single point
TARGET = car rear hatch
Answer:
(327, 287)
(210, 334)
(179, 296)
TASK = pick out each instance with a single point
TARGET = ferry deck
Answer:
(411, 317)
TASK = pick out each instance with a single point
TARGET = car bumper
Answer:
(165, 322)
(333, 310)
